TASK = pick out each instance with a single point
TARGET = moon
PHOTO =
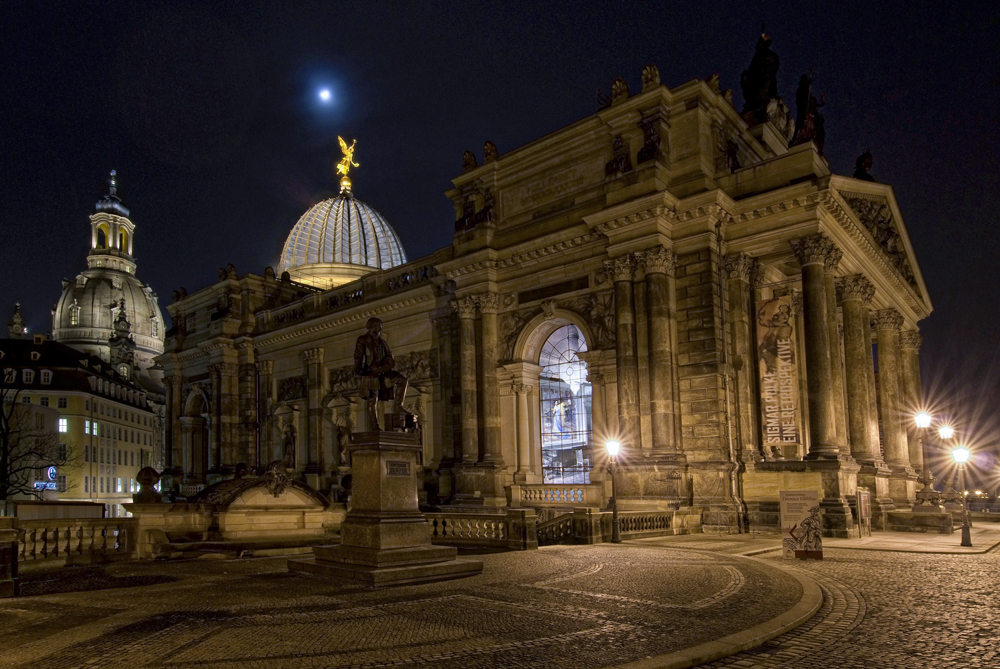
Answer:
(325, 95)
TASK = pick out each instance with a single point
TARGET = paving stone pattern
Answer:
(562, 606)
(890, 610)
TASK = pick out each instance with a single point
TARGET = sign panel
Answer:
(801, 524)
(397, 468)
(779, 385)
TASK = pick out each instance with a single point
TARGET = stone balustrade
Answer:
(75, 540)
(512, 529)
(544, 494)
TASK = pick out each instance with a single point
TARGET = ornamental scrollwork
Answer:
(511, 324)
(877, 217)
(598, 310)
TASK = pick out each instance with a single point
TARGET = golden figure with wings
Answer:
(347, 162)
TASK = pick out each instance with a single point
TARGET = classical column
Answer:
(909, 343)
(523, 392)
(313, 359)
(215, 450)
(622, 270)
(466, 309)
(660, 263)
(743, 272)
(836, 360)
(855, 294)
(812, 252)
(897, 456)
(265, 437)
(491, 452)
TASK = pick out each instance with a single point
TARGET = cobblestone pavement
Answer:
(585, 606)
(562, 606)
(890, 610)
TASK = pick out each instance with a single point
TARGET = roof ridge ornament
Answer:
(346, 163)
(111, 202)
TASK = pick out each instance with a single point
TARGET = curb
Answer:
(806, 608)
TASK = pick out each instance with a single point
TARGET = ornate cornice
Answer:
(910, 339)
(658, 260)
(886, 319)
(465, 307)
(812, 249)
(534, 254)
(855, 287)
(621, 268)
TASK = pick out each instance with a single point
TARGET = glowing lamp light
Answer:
(946, 431)
(613, 447)
(960, 454)
(325, 95)
(922, 419)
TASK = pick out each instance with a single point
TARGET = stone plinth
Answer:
(905, 521)
(385, 540)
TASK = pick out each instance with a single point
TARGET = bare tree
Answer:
(26, 446)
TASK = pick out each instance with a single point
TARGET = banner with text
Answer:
(779, 384)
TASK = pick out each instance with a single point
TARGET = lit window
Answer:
(46, 376)
(63, 425)
(28, 375)
(44, 401)
(62, 403)
(565, 396)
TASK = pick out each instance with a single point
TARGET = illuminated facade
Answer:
(667, 272)
(92, 302)
(107, 429)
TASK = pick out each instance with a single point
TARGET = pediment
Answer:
(876, 213)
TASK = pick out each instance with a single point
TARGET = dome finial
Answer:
(113, 181)
(346, 163)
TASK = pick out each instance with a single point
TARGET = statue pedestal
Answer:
(385, 540)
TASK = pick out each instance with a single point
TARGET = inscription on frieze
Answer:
(551, 187)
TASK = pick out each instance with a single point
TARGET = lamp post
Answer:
(949, 494)
(616, 530)
(961, 455)
(927, 497)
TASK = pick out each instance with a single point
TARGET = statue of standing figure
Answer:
(376, 368)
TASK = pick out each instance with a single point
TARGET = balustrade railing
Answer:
(556, 530)
(579, 494)
(468, 529)
(70, 538)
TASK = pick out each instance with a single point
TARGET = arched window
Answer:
(102, 237)
(565, 396)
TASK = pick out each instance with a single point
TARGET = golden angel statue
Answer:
(347, 162)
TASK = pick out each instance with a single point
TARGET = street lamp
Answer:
(616, 530)
(961, 455)
(950, 494)
(927, 495)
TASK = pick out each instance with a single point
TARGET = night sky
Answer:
(209, 111)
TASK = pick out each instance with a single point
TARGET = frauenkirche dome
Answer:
(340, 239)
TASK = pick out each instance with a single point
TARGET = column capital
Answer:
(314, 355)
(465, 307)
(745, 267)
(226, 368)
(658, 260)
(910, 339)
(813, 249)
(621, 268)
(521, 388)
(595, 378)
(855, 287)
(489, 303)
(886, 319)
(833, 258)
(265, 366)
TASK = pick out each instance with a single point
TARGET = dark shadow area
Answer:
(82, 579)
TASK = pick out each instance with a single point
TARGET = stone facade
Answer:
(665, 259)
